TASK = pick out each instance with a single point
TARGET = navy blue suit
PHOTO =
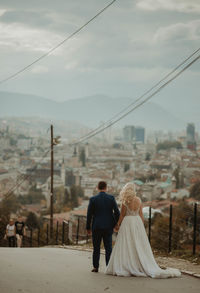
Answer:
(103, 214)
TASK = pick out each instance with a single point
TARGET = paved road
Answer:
(57, 270)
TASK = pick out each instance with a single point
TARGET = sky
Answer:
(122, 53)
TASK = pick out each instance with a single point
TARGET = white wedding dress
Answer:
(132, 254)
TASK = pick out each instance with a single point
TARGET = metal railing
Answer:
(175, 233)
(169, 232)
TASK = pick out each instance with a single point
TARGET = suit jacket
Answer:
(102, 212)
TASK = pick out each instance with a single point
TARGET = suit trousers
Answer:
(97, 236)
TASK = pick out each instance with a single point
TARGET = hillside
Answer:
(89, 111)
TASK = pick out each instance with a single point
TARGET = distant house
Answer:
(41, 174)
(160, 165)
(179, 193)
(146, 213)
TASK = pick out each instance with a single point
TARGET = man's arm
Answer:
(116, 211)
(90, 213)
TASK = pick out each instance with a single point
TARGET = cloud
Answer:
(123, 47)
(186, 6)
(71, 65)
(2, 12)
(38, 69)
(179, 32)
(22, 38)
(26, 17)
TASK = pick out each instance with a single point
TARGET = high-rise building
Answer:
(129, 133)
(139, 134)
(133, 133)
(191, 143)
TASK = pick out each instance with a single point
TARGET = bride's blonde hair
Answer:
(127, 193)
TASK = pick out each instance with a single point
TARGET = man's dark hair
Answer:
(102, 185)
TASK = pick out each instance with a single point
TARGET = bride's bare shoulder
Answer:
(137, 199)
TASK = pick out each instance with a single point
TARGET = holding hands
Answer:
(89, 232)
(116, 228)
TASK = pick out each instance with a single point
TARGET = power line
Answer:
(97, 131)
(115, 121)
(58, 45)
(143, 95)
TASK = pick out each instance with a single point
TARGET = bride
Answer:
(132, 254)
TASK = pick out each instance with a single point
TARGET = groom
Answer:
(103, 212)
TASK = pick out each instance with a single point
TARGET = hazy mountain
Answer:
(89, 111)
(35, 126)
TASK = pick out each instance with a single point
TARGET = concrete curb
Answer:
(192, 274)
(189, 273)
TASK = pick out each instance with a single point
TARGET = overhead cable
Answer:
(97, 131)
(58, 45)
(142, 96)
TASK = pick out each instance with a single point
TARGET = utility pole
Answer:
(54, 141)
(51, 192)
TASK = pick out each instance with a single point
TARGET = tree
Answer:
(66, 199)
(10, 204)
(182, 228)
(13, 142)
(71, 197)
(59, 194)
(165, 145)
(147, 157)
(118, 146)
(74, 196)
(151, 177)
(79, 190)
(22, 136)
(34, 196)
(82, 157)
(195, 190)
(32, 221)
(160, 234)
(126, 167)
(181, 180)
(159, 239)
(176, 175)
